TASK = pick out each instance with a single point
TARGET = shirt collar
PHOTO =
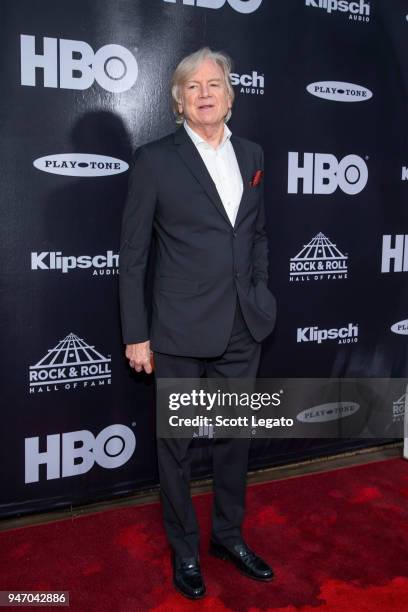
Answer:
(199, 140)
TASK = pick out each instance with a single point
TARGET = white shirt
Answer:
(223, 167)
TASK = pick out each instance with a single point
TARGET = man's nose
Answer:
(204, 92)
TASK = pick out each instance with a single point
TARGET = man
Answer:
(199, 192)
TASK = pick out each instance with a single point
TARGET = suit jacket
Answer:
(201, 261)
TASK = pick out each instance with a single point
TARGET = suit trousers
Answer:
(230, 456)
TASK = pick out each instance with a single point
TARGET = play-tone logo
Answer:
(71, 364)
(242, 6)
(101, 265)
(80, 164)
(113, 67)
(400, 328)
(253, 84)
(338, 91)
(357, 11)
(76, 452)
(332, 411)
(320, 259)
(322, 173)
(394, 257)
(344, 335)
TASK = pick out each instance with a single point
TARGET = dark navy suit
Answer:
(211, 306)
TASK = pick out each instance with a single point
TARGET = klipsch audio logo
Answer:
(404, 173)
(400, 328)
(322, 173)
(75, 452)
(332, 411)
(344, 335)
(242, 6)
(358, 11)
(394, 256)
(253, 83)
(337, 91)
(101, 265)
(80, 164)
(320, 259)
(71, 364)
(72, 64)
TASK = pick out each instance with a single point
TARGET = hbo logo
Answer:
(113, 66)
(322, 173)
(242, 6)
(75, 452)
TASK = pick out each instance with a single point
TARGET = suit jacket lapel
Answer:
(243, 163)
(194, 162)
(191, 157)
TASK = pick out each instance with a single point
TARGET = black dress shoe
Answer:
(187, 577)
(244, 559)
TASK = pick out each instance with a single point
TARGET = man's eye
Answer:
(192, 86)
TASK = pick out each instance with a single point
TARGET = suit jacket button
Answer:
(236, 274)
(234, 234)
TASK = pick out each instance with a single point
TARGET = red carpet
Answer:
(338, 542)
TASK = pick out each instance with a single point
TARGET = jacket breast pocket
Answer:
(172, 284)
(255, 189)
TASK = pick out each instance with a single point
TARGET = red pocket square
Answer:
(257, 178)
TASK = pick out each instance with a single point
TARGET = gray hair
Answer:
(189, 65)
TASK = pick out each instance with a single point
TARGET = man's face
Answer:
(204, 96)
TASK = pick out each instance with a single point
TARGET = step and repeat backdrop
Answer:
(320, 84)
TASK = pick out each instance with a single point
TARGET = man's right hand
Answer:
(139, 356)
